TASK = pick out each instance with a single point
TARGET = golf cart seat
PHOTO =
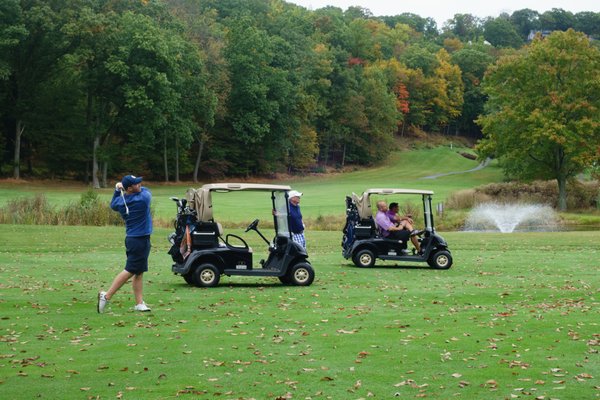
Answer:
(206, 234)
(366, 228)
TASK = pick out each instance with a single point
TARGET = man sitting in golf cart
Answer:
(390, 230)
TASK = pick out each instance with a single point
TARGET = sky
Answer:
(442, 11)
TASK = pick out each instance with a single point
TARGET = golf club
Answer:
(124, 202)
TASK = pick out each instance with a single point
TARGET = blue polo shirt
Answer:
(139, 221)
(296, 225)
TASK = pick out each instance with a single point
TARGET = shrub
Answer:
(30, 211)
(409, 208)
(467, 198)
(37, 211)
(580, 195)
(89, 211)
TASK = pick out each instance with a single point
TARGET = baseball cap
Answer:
(129, 180)
(294, 193)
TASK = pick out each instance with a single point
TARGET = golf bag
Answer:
(185, 224)
(352, 220)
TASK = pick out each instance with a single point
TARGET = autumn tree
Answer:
(542, 118)
(473, 63)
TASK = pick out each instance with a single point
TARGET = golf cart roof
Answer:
(229, 187)
(397, 191)
(201, 200)
(363, 202)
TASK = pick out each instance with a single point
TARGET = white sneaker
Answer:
(141, 307)
(102, 302)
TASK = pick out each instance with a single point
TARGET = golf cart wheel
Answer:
(364, 258)
(301, 274)
(206, 275)
(440, 260)
(189, 278)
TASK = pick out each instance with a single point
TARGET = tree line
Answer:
(208, 88)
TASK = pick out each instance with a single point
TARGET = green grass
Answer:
(323, 194)
(515, 317)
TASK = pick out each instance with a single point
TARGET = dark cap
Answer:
(129, 180)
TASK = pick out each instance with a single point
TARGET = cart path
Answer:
(484, 164)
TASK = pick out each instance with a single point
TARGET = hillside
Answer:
(323, 193)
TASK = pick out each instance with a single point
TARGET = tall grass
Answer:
(580, 195)
(36, 210)
(29, 211)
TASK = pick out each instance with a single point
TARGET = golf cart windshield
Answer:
(280, 205)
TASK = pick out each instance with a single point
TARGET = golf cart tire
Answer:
(206, 275)
(301, 274)
(364, 258)
(440, 260)
(189, 278)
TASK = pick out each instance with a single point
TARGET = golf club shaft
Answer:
(124, 202)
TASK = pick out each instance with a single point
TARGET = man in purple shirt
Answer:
(390, 230)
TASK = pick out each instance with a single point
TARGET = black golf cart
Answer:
(363, 243)
(201, 254)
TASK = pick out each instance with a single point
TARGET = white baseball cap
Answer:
(294, 193)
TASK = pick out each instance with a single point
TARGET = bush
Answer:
(580, 195)
(37, 211)
(412, 209)
(464, 199)
(89, 211)
(28, 211)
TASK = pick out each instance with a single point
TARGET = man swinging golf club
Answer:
(132, 201)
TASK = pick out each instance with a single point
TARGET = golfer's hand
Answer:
(119, 186)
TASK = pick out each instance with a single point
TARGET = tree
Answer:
(543, 114)
(33, 46)
(525, 21)
(203, 29)
(448, 102)
(426, 26)
(473, 63)
(557, 19)
(501, 33)
(464, 26)
(588, 22)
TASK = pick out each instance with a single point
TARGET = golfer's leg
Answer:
(138, 288)
(415, 242)
(119, 281)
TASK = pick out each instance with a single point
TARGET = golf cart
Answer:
(201, 254)
(363, 243)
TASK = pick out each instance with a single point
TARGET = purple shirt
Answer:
(384, 223)
(391, 215)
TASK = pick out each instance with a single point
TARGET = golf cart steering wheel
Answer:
(252, 225)
(244, 244)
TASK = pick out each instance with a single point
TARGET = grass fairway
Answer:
(324, 194)
(515, 317)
